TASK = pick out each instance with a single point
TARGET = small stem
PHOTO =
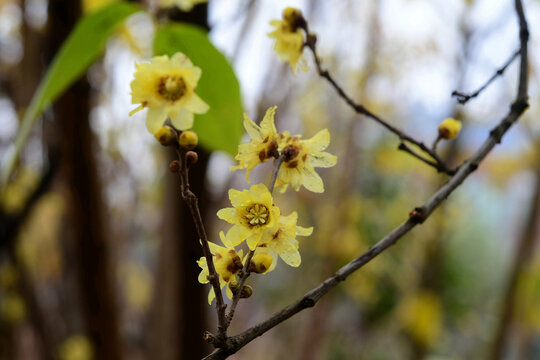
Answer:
(311, 41)
(435, 143)
(245, 271)
(193, 204)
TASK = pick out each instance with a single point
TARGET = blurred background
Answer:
(97, 250)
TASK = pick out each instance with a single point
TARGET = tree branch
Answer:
(311, 43)
(193, 204)
(417, 216)
(462, 98)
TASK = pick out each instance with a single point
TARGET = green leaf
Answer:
(83, 46)
(221, 127)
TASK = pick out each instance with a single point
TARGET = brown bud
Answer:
(174, 166)
(246, 292)
(234, 285)
(191, 158)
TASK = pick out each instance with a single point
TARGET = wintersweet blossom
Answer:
(227, 263)
(253, 212)
(166, 86)
(282, 240)
(300, 158)
(449, 128)
(289, 38)
(184, 5)
(263, 145)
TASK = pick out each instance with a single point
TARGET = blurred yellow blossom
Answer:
(449, 128)
(421, 316)
(166, 86)
(289, 38)
(184, 5)
(227, 263)
(93, 5)
(263, 145)
(253, 213)
(300, 157)
(8, 276)
(12, 308)
(76, 347)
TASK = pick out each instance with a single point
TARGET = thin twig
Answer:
(403, 147)
(245, 271)
(462, 98)
(193, 204)
(311, 43)
(417, 216)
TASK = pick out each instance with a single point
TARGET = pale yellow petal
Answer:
(318, 142)
(196, 105)
(228, 214)
(155, 119)
(252, 129)
(312, 181)
(237, 197)
(183, 119)
(322, 159)
(302, 231)
(267, 124)
(237, 234)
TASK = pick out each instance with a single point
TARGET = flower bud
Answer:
(191, 158)
(188, 139)
(246, 292)
(260, 263)
(165, 135)
(234, 285)
(293, 16)
(174, 166)
(449, 128)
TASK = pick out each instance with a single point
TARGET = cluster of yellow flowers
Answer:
(166, 86)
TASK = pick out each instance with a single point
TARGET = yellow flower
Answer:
(300, 157)
(184, 5)
(253, 212)
(282, 240)
(421, 315)
(227, 263)
(289, 38)
(449, 128)
(262, 261)
(76, 347)
(263, 145)
(167, 88)
(12, 308)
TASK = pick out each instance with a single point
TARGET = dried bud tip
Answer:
(246, 292)
(174, 166)
(207, 337)
(294, 17)
(188, 139)
(165, 135)
(449, 128)
(191, 158)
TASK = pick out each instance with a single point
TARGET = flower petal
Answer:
(322, 159)
(228, 214)
(155, 119)
(196, 105)
(183, 119)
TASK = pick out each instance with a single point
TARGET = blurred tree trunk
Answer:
(178, 314)
(85, 214)
(522, 258)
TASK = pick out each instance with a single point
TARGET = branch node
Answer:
(308, 302)
(418, 215)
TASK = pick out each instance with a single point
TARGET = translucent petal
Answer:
(267, 124)
(237, 234)
(318, 142)
(291, 258)
(302, 231)
(182, 120)
(196, 105)
(155, 119)
(322, 159)
(311, 180)
(252, 129)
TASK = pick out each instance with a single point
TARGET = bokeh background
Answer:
(97, 254)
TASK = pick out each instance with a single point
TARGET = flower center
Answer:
(171, 88)
(257, 215)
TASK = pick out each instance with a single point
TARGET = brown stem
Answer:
(193, 204)
(311, 41)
